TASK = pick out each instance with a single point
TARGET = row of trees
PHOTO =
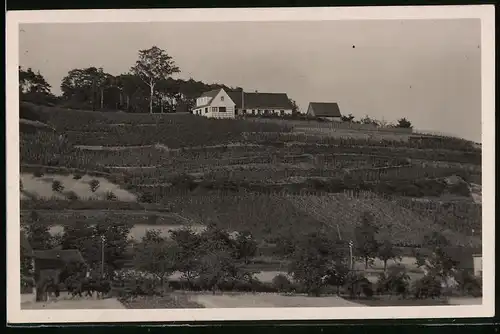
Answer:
(214, 258)
(401, 123)
(147, 85)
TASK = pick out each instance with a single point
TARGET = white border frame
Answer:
(483, 12)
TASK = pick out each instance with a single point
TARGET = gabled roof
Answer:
(211, 94)
(66, 255)
(324, 109)
(260, 100)
(252, 100)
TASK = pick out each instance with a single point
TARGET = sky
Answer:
(428, 71)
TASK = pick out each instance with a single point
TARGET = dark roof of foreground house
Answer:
(260, 100)
(252, 100)
(324, 109)
(65, 255)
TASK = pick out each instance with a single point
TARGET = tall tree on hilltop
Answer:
(31, 82)
(153, 65)
(34, 88)
(83, 85)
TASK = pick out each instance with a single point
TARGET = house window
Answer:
(222, 98)
(214, 109)
(206, 110)
(222, 109)
(282, 112)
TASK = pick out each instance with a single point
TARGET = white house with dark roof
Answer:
(220, 103)
(326, 110)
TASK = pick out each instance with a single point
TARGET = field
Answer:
(274, 178)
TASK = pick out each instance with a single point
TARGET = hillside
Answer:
(271, 178)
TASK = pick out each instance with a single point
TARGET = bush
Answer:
(110, 196)
(38, 173)
(357, 284)
(282, 283)
(57, 186)
(94, 185)
(468, 284)
(395, 282)
(72, 196)
(77, 177)
(427, 287)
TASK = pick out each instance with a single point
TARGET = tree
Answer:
(153, 65)
(295, 107)
(88, 240)
(395, 281)
(31, 82)
(246, 246)
(154, 254)
(436, 262)
(349, 118)
(38, 234)
(34, 88)
(188, 252)
(365, 237)
(369, 120)
(404, 123)
(94, 185)
(85, 86)
(386, 252)
(116, 243)
(337, 274)
(312, 261)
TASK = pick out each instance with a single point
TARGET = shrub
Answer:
(427, 287)
(468, 284)
(57, 186)
(94, 185)
(38, 173)
(110, 196)
(72, 196)
(357, 284)
(77, 177)
(395, 282)
(282, 283)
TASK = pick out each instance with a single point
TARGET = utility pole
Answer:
(351, 264)
(102, 255)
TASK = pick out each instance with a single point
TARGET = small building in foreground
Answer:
(329, 111)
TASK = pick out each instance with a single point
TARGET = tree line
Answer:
(215, 259)
(148, 85)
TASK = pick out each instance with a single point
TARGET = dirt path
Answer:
(67, 304)
(269, 300)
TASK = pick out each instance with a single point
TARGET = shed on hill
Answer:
(325, 110)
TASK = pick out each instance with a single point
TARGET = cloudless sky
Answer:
(428, 71)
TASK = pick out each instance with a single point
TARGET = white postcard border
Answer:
(483, 12)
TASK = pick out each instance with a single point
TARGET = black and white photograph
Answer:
(247, 164)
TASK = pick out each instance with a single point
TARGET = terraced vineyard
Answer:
(270, 178)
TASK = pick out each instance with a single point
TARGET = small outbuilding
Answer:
(326, 110)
